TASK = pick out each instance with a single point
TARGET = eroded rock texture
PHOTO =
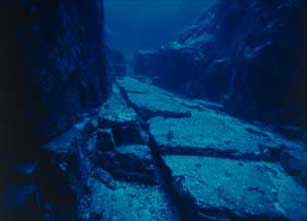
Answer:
(52, 72)
(61, 42)
(250, 55)
(109, 168)
(148, 154)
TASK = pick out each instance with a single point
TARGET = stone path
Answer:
(151, 155)
(218, 167)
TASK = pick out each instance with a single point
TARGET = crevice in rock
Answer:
(180, 172)
(271, 155)
(182, 207)
(163, 175)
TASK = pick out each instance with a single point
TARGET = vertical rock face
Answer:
(52, 69)
(52, 72)
(61, 42)
(248, 54)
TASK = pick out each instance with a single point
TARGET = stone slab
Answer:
(211, 134)
(224, 189)
(151, 101)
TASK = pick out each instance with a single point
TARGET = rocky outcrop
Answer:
(249, 55)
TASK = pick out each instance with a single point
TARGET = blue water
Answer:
(145, 24)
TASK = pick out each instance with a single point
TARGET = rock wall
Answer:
(249, 55)
(52, 74)
(61, 42)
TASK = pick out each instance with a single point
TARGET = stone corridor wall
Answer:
(52, 73)
(61, 42)
(249, 55)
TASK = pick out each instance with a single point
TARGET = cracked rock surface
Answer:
(151, 155)
(217, 166)
(226, 189)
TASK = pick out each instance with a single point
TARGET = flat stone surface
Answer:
(210, 133)
(224, 189)
(151, 101)
(205, 130)
(130, 202)
(217, 167)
